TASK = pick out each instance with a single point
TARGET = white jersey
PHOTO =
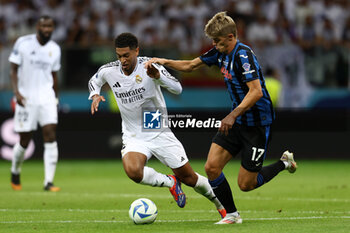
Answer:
(36, 63)
(135, 92)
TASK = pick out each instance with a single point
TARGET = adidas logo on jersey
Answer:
(116, 85)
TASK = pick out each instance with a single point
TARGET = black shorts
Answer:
(251, 141)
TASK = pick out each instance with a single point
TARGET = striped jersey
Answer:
(238, 68)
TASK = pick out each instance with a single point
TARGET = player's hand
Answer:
(96, 99)
(20, 99)
(154, 60)
(153, 72)
(226, 124)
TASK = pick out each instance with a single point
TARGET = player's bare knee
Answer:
(49, 137)
(134, 173)
(245, 186)
(136, 176)
(24, 142)
(211, 171)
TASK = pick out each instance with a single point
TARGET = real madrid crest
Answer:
(138, 79)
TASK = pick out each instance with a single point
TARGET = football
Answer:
(143, 211)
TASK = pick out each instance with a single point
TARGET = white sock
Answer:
(50, 161)
(156, 179)
(286, 164)
(17, 159)
(203, 187)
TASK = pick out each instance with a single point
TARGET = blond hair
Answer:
(220, 25)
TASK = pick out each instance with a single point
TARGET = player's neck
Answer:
(40, 40)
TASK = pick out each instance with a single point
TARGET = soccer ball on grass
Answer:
(143, 211)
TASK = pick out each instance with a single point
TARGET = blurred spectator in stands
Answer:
(271, 9)
(8, 11)
(320, 27)
(285, 32)
(173, 34)
(302, 10)
(91, 34)
(107, 25)
(336, 14)
(346, 33)
(75, 33)
(121, 18)
(3, 33)
(307, 38)
(4, 53)
(261, 32)
(199, 10)
(329, 54)
(192, 35)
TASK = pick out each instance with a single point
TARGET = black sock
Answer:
(223, 192)
(268, 172)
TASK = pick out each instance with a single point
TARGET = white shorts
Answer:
(165, 147)
(28, 117)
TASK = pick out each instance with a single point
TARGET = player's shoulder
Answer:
(243, 49)
(109, 66)
(25, 39)
(142, 60)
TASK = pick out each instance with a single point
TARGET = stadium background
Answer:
(302, 45)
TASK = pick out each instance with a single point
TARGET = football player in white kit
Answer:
(35, 60)
(136, 88)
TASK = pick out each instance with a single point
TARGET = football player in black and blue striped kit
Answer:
(246, 129)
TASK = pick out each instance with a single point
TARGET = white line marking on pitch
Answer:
(187, 220)
(171, 211)
(164, 196)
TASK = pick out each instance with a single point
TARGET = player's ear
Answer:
(137, 51)
(230, 36)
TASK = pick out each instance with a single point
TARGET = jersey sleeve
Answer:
(95, 83)
(15, 56)
(56, 66)
(247, 65)
(168, 81)
(211, 57)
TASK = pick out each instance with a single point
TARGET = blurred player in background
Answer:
(35, 60)
(247, 128)
(136, 88)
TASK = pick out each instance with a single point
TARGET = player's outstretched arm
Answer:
(96, 99)
(180, 65)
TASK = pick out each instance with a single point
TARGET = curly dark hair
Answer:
(126, 40)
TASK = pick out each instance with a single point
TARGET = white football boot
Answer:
(231, 218)
(289, 158)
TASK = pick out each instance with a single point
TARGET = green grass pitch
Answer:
(96, 195)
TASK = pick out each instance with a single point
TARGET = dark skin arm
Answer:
(153, 72)
(14, 81)
(55, 83)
